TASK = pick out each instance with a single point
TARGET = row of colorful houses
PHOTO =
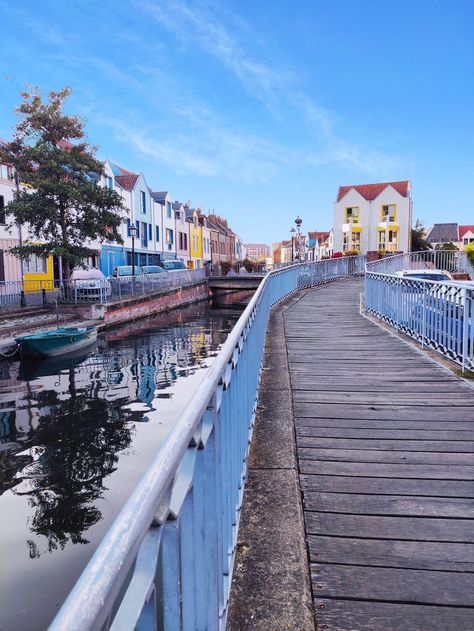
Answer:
(165, 229)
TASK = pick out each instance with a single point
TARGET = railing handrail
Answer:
(82, 608)
(89, 603)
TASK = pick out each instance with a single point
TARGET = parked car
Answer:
(90, 284)
(126, 270)
(152, 269)
(174, 266)
(426, 274)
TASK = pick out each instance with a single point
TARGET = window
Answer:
(352, 214)
(356, 241)
(137, 223)
(144, 234)
(110, 182)
(128, 227)
(143, 201)
(185, 241)
(382, 243)
(169, 236)
(35, 265)
(157, 233)
(345, 241)
(168, 209)
(180, 240)
(389, 212)
(393, 240)
(150, 232)
(2, 210)
(6, 172)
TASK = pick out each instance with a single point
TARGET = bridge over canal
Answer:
(358, 510)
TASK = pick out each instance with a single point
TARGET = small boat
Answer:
(57, 342)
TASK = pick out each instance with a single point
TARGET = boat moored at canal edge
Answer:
(57, 342)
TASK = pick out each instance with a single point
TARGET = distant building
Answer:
(373, 217)
(258, 252)
(466, 235)
(442, 233)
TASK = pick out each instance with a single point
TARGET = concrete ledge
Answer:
(271, 583)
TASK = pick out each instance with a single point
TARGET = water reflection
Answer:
(75, 436)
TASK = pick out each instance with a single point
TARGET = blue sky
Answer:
(260, 110)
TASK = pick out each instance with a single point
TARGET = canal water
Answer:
(77, 434)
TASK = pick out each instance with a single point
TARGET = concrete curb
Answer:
(271, 585)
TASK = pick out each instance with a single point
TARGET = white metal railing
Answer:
(166, 562)
(42, 292)
(440, 315)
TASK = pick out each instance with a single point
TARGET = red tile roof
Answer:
(464, 229)
(318, 235)
(126, 181)
(371, 191)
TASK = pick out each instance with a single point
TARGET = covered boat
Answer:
(57, 342)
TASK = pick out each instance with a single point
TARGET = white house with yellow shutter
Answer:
(373, 217)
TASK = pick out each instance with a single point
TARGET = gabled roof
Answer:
(126, 181)
(371, 191)
(160, 196)
(444, 233)
(464, 229)
(318, 235)
(175, 205)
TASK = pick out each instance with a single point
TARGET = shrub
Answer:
(351, 252)
(248, 264)
(225, 267)
(470, 252)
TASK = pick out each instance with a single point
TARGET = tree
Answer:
(418, 240)
(446, 246)
(60, 198)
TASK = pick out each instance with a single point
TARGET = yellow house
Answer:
(195, 239)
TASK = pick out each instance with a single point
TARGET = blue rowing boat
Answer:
(57, 342)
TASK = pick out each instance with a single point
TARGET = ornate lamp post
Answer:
(133, 234)
(298, 222)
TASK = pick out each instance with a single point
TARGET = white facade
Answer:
(10, 266)
(367, 223)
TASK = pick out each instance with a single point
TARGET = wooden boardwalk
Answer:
(385, 442)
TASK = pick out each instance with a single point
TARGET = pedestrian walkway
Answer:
(384, 445)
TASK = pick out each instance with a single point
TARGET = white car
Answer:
(90, 284)
(426, 274)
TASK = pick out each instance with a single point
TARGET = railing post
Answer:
(423, 326)
(22, 298)
(465, 329)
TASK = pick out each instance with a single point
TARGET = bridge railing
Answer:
(440, 315)
(166, 562)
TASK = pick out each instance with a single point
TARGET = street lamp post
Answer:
(133, 234)
(298, 222)
(292, 233)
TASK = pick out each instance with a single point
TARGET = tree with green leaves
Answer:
(446, 246)
(418, 239)
(59, 198)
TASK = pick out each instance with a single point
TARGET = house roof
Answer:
(318, 235)
(444, 233)
(371, 191)
(464, 229)
(126, 181)
(175, 205)
(159, 196)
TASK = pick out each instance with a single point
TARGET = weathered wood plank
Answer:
(415, 506)
(427, 587)
(386, 457)
(381, 470)
(384, 527)
(457, 428)
(421, 555)
(389, 411)
(397, 443)
(384, 399)
(349, 615)
(387, 486)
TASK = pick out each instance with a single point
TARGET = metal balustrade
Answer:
(166, 562)
(36, 292)
(440, 315)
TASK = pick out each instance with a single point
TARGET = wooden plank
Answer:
(356, 615)
(395, 444)
(428, 587)
(380, 470)
(390, 411)
(458, 428)
(384, 527)
(377, 434)
(421, 555)
(387, 486)
(386, 457)
(415, 505)
(381, 398)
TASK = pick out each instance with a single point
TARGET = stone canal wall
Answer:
(139, 306)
